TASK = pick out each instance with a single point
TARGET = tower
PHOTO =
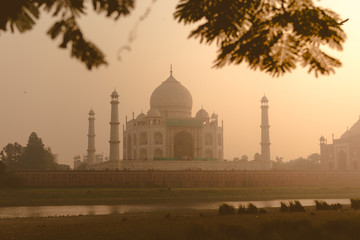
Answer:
(114, 128)
(91, 138)
(265, 136)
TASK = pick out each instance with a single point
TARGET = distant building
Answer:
(343, 153)
(169, 138)
(169, 132)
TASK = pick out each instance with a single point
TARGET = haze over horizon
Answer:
(45, 91)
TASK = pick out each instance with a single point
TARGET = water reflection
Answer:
(46, 211)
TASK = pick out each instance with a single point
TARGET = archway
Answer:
(158, 139)
(184, 146)
(143, 138)
(341, 161)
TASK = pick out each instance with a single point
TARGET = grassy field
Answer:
(312, 224)
(110, 196)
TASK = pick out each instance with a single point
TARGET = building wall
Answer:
(168, 165)
(342, 154)
(190, 178)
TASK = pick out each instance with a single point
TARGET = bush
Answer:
(226, 209)
(252, 208)
(284, 207)
(291, 206)
(322, 205)
(355, 203)
(296, 207)
(242, 209)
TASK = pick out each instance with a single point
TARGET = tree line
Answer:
(35, 156)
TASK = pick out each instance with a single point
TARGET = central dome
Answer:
(172, 99)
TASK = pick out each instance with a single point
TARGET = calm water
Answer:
(45, 211)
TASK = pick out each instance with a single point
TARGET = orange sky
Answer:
(60, 91)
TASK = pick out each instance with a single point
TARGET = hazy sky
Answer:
(61, 91)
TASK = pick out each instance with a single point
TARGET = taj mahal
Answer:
(169, 138)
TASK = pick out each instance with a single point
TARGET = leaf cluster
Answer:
(271, 35)
(22, 15)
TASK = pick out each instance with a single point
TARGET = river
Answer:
(76, 210)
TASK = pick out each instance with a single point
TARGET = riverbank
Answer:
(312, 224)
(115, 196)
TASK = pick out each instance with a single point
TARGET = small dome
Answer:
(322, 139)
(214, 115)
(264, 99)
(91, 112)
(114, 93)
(141, 117)
(202, 114)
(153, 113)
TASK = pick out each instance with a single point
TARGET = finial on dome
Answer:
(171, 70)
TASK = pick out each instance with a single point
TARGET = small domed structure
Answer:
(153, 113)
(141, 117)
(264, 99)
(91, 112)
(202, 114)
(114, 94)
(214, 115)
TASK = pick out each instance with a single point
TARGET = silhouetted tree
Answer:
(23, 14)
(244, 158)
(36, 156)
(312, 162)
(11, 155)
(273, 36)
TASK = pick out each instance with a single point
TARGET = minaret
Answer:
(114, 128)
(265, 136)
(91, 138)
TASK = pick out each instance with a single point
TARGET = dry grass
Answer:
(188, 225)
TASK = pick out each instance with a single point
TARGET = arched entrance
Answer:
(184, 146)
(341, 161)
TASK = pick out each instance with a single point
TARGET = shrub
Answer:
(284, 207)
(242, 209)
(355, 203)
(296, 207)
(336, 206)
(322, 205)
(291, 206)
(226, 209)
(252, 208)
